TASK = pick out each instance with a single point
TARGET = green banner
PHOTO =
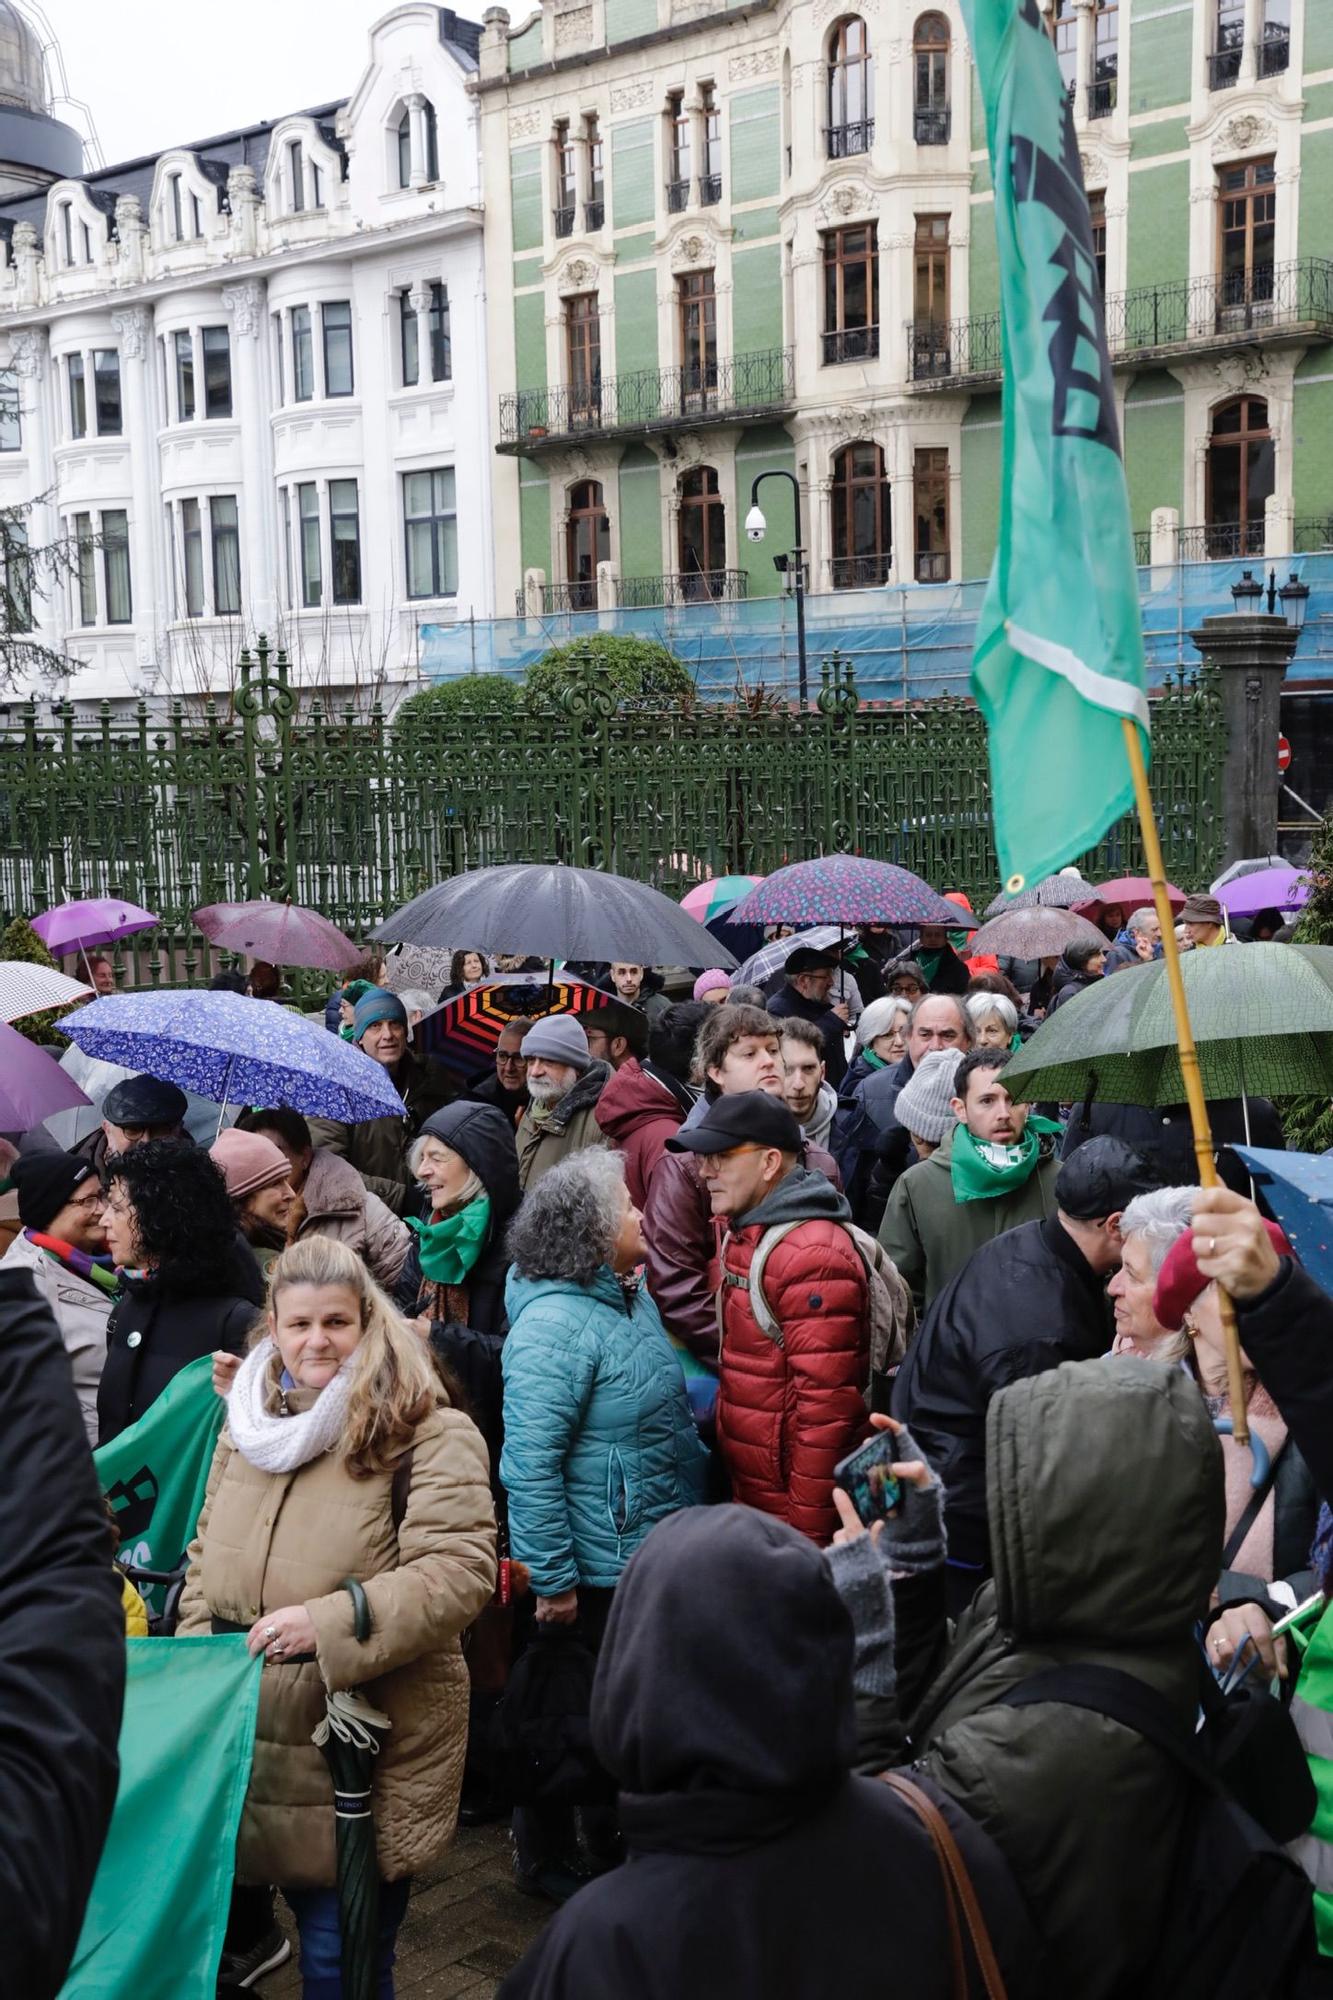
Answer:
(1059, 654)
(157, 1916)
(154, 1474)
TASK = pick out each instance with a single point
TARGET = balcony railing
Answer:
(581, 596)
(845, 140)
(1311, 537)
(710, 190)
(1220, 541)
(1224, 64)
(677, 197)
(1270, 301)
(859, 572)
(1274, 52)
(1142, 547)
(700, 586)
(932, 127)
(851, 343)
(1101, 97)
(563, 219)
(594, 215)
(649, 399)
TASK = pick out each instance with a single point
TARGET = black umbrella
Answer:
(555, 912)
(350, 1736)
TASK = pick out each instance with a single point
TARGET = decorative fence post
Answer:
(265, 703)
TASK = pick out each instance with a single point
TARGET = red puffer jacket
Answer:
(786, 1415)
(638, 1114)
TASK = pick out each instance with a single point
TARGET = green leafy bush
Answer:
(470, 694)
(638, 673)
(20, 941)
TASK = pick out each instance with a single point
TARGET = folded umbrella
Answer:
(1283, 888)
(714, 898)
(232, 1049)
(848, 889)
(281, 933)
(463, 1033)
(30, 989)
(83, 926)
(32, 1083)
(349, 1737)
(1033, 933)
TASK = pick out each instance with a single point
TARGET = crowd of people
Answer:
(555, 1374)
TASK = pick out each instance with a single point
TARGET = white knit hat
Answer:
(923, 1105)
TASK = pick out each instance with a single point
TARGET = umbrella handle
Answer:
(1258, 1450)
(362, 1622)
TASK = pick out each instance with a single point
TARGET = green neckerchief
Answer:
(982, 1173)
(958, 939)
(929, 963)
(450, 1247)
(871, 1059)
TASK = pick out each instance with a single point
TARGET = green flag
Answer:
(154, 1473)
(1059, 654)
(157, 1916)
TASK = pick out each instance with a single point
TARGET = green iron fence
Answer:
(352, 814)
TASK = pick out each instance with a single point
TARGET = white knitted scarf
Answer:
(278, 1443)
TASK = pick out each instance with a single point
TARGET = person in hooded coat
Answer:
(747, 1832)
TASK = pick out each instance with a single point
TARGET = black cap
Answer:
(141, 1101)
(806, 959)
(750, 1118)
(614, 1018)
(1103, 1177)
(44, 1182)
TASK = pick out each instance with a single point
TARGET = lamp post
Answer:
(756, 527)
(1294, 596)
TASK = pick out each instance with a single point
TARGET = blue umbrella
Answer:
(232, 1049)
(1298, 1187)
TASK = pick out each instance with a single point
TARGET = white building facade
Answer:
(248, 380)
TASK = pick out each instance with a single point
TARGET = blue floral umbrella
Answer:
(231, 1049)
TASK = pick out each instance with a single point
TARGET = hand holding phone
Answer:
(865, 1478)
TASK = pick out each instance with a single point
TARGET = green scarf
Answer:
(450, 1246)
(929, 961)
(983, 1173)
(871, 1060)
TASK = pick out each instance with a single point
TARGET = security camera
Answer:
(755, 525)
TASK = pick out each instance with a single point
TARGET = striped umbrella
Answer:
(848, 889)
(30, 989)
(715, 898)
(463, 1032)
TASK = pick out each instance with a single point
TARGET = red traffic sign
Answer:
(1283, 754)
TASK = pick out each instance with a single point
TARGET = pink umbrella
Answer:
(282, 933)
(32, 1084)
(85, 925)
(1130, 892)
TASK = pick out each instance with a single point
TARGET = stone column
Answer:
(1251, 654)
(1165, 530)
(259, 602)
(1249, 59)
(133, 329)
(1085, 32)
(416, 105)
(419, 300)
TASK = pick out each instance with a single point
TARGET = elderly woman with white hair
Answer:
(994, 1019)
(881, 1039)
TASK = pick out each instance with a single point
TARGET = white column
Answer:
(134, 332)
(416, 104)
(259, 602)
(1085, 37)
(419, 300)
(1249, 53)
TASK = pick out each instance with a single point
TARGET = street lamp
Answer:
(1294, 597)
(1249, 595)
(756, 527)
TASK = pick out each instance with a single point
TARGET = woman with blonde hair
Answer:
(343, 1457)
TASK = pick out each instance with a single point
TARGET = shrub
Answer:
(638, 673)
(470, 694)
(20, 941)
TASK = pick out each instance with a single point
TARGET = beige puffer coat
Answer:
(266, 1540)
(335, 1201)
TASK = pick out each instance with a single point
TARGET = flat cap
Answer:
(141, 1101)
(1103, 1177)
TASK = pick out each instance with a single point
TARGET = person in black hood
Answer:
(506, 1085)
(1082, 964)
(723, 1705)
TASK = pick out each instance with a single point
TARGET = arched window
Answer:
(1240, 478)
(587, 543)
(930, 74)
(432, 139)
(702, 536)
(862, 535)
(405, 149)
(851, 90)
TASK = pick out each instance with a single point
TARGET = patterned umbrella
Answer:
(1298, 1187)
(707, 900)
(463, 1032)
(32, 1084)
(1057, 892)
(28, 989)
(774, 955)
(281, 933)
(231, 1049)
(1263, 1023)
(1033, 933)
(1284, 888)
(848, 889)
(84, 926)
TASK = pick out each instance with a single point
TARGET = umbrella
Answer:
(551, 912)
(84, 926)
(1298, 1187)
(1056, 892)
(1282, 888)
(1131, 892)
(1249, 867)
(771, 958)
(349, 1737)
(413, 966)
(1034, 933)
(707, 900)
(1263, 1023)
(32, 1083)
(95, 1079)
(29, 989)
(229, 1048)
(463, 1032)
(848, 889)
(281, 933)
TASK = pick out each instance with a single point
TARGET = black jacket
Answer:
(489, 1091)
(1023, 1303)
(1163, 1133)
(62, 1652)
(1288, 1334)
(1066, 982)
(153, 1333)
(759, 1868)
(788, 1004)
(870, 1146)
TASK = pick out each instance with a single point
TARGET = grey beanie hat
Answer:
(560, 1039)
(923, 1105)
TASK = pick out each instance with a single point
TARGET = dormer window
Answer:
(67, 232)
(405, 150)
(432, 134)
(177, 225)
(196, 218)
(87, 243)
(296, 171)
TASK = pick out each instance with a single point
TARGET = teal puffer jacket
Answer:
(599, 1441)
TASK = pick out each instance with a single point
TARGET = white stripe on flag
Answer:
(1102, 690)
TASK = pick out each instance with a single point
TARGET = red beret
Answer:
(1180, 1281)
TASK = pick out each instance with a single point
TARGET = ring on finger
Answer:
(1212, 1246)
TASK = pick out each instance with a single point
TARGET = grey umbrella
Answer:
(554, 912)
(1057, 892)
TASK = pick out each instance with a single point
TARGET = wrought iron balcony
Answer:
(932, 127)
(851, 343)
(710, 190)
(1311, 537)
(1101, 97)
(1142, 547)
(1224, 62)
(1274, 52)
(580, 596)
(1271, 303)
(859, 572)
(563, 219)
(699, 586)
(1220, 541)
(594, 215)
(677, 196)
(845, 140)
(648, 400)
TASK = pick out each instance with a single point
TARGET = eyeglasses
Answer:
(504, 1060)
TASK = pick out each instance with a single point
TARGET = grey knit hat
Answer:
(923, 1101)
(560, 1039)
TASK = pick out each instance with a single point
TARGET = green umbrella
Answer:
(1262, 1017)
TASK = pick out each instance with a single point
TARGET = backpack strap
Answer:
(1123, 1698)
(1253, 1508)
(753, 1282)
(400, 1487)
(958, 1890)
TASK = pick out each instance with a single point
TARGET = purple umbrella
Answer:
(1267, 889)
(84, 926)
(281, 933)
(32, 1084)
(847, 889)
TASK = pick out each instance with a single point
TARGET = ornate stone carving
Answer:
(754, 62)
(845, 198)
(632, 96)
(573, 27)
(1243, 134)
(1094, 167)
(525, 124)
(419, 298)
(131, 324)
(245, 303)
(29, 347)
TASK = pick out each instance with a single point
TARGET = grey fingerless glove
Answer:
(862, 1582)
(913, 1539)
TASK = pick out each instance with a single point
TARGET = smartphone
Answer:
(865, 1478)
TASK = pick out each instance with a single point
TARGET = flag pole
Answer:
(1189, 1055)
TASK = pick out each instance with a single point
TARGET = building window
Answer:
(116, 567)
(196, 218)
(930, 80)
(86, 576)
(192, 550)
(431, 134)
(183, 344)
(851, 90)
(106, 391)
(278, 368)
(678, 153)
(408, 340)
(696, 304)
(1240, 477)
(307, 514)
(862, 533)
(587, 543)
(224, 527)
(87, 243)
(1064, 27)
(11, 430)
(930, 494)
(174, 208)
(296, 175)
(441, 340)
(1105, 59)
(78, 397)
(17, 576)
(67, 233)
(1246, 212)
(285, 511)
(930, 297)
(851, 293)
(702, 536)
(303, 355)
(566, 179)
(217, 371)
(583, 358)
(1097, 211)
(336, 323)
(1275, 38)
(405, 150)
(710, 178)
(594, 213)
(345, 537)
(1228, 42)
(430, 525)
